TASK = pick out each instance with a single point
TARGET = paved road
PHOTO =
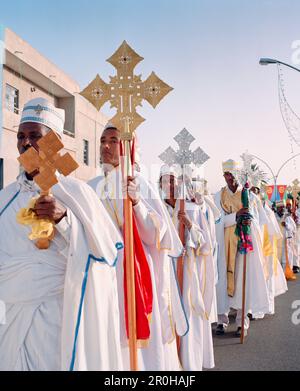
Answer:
(273, 343)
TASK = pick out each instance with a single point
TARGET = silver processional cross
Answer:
(184, 156)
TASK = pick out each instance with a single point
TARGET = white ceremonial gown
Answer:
(276, 280)
(162, 245)
(297, 258)
(212, 214)
(288, 243)
(61, 303)
(257, 300)
(196, 347)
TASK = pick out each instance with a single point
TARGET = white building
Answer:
(26, 74)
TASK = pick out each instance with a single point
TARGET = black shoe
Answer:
(220, 330)
(238, 332)
(250, 316)
(296, 269)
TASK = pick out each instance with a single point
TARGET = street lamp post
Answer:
(275, 176)
(267, 61)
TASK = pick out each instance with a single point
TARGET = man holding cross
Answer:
(160, 243)
(61, 302)
(196, 347)
(230, 262)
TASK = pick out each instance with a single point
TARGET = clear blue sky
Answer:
(207, 50)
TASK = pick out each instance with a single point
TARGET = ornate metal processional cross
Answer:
(125, 92)
(183, 157)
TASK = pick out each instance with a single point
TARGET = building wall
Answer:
(83, 121)
(2, 51)
(90, 127)
(11, 121)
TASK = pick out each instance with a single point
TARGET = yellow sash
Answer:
(280, 242)
(275, 255)
(267, 250)
(231, 203)
(267, 245)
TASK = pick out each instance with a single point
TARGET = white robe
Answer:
(196, 347)
(297, 258)
(57, 316)
(161, 244)
(256, 289)
(276, 281)
(297, 252)
(213, 215)
(290, 233)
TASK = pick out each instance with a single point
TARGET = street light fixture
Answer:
(267, 61)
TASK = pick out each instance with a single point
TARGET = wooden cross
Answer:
(125, 92)
(47, 161)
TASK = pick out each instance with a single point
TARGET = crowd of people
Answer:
(66, 306)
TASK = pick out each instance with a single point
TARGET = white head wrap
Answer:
(41, 111)
(109, 125)
(168, 170)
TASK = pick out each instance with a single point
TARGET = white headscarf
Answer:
(168, 170)
(40, 110)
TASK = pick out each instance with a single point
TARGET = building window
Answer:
(12, 99)
(86, 152)
(68, 104)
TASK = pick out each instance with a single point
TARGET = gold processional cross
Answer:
(125, 92)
